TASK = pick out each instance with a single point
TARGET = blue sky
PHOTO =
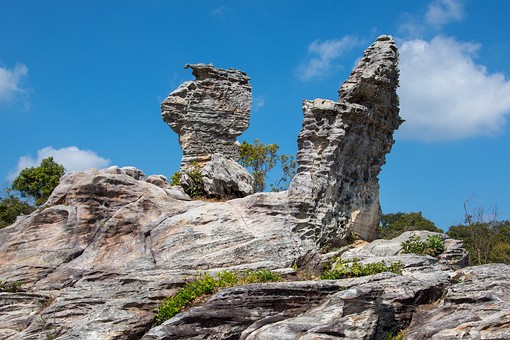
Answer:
(82, 81)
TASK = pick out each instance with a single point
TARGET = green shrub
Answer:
(393, 225)
(344, 270)
(207, 285)
(12, 207)
(11, 287)
(176, 178)
(434, 245)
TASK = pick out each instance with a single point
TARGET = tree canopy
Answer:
(260, 159)
(37, 183)
(392, 225)
(10, 208)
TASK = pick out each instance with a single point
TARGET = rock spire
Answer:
(209, 113)
(342, 146)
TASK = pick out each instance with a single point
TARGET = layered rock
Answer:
(109, 245)
(341, 148)
(432, 299)
(209, 113)
(224, 177)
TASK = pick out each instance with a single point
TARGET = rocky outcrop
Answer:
(430, 300)
(100, 256)
(209, 113)
(109, 245)
(341, 148)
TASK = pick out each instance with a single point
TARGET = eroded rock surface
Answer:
(97, 259)
(110, 244)
(430, 300)
(209, 113)
(342, 146)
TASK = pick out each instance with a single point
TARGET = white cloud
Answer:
(258, 103)
(10, 83)
(321, 56)
(218, 11)
(445, 95)
(442, 12)
(72, 158)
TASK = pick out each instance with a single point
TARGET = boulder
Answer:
(223, 177)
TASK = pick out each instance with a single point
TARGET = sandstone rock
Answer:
(106, 249)
(341, 148)
(109, 245)
(360, 308)
(209, 113)
(159, 181)
(222, 177)
(477, 306)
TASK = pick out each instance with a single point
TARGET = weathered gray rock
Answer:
(341, 148)
(109, 245)
(223, 177)
(454, 256)
(477, 306)
(209, 113)
(360, 308)
(107, 248)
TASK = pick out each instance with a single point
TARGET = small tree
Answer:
(37, 183)
(486, 239)
(10, 208)
(260, 159)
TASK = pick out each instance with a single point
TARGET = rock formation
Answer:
(433, 299)
(99, 257)
(342, 146)
(209, 113)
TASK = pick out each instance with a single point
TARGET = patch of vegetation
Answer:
(11, 287)
(29, 190)
(37, 183)
(485, 242)
(176, 178)
(393, 225)
(434, 245)
(12, 207)
(260, 159)
(344, 270)
(207, 285)
(194, 180)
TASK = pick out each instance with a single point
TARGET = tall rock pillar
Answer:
(209, 113)
(342, 146)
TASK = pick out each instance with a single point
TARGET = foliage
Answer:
(392, 225)
(485, 242)
(11, 287)
(486, 239)
(206, 285)
(344, 270)
(176, 178)
(195, 187)
(433, 246)
(37, 183)
(10, 208)
(260, 159)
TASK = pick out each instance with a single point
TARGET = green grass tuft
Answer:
(344, 270)
(207, 285)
